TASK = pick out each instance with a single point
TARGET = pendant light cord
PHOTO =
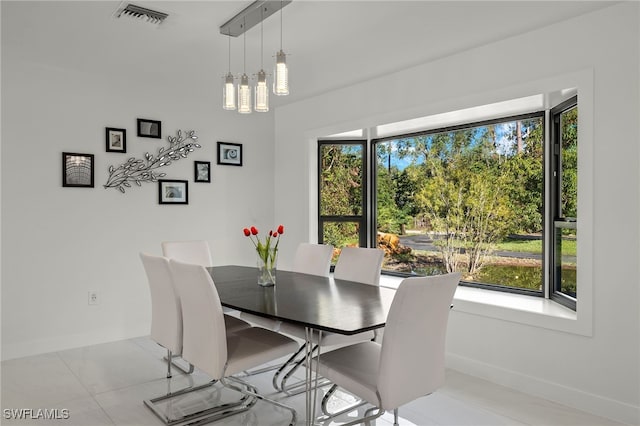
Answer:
(244, 48)
(261, 37)
(229, 36)
(281, 6)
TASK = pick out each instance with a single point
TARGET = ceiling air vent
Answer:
(142, 14)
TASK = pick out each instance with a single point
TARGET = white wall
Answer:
(59, 243)
(599, 372)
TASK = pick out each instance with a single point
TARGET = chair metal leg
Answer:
(230, 408)
(367, 417)
(395, 417)
(168, 358)
(172, 357)
(253, 392)
(325, 402)
(363, 420)
(249, 373)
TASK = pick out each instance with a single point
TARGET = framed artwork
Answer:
(149, 128)
(202, 171)
(230, 153)
(116, 140)
(173, 191)
(77, 170)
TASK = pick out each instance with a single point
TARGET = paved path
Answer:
(424, 242)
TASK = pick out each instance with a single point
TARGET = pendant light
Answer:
(262, 91)
(281, 75)
(244, 90)
(229, 90)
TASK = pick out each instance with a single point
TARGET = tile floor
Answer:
(106, 384)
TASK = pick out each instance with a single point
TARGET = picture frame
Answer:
(149, 128)
(202, 171)
(116, 140)
(171, 191)
(230, 154)
(77, 170)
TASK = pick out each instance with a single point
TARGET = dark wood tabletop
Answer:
(321, 303)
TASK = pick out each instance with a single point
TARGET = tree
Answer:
(467, 204)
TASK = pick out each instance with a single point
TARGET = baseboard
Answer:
(570, 397)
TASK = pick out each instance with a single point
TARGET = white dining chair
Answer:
(359, 264)
(167, 328)
(197, 252)
(362, 265)
(356, 264)
(410, 361)
(313, 259)
(191, 251)
(219, 354)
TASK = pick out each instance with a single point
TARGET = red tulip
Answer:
(280, 229)
(246, 232)
(275, 234)
(270, 233)
(254, 230)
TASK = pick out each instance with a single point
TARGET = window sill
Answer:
(518, 308)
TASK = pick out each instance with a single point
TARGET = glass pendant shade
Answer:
(229, 93)
(281, 80)
(244, 95)
(262, 93)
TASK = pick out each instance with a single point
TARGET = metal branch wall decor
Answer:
(138, 171)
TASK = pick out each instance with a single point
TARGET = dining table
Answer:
(320, 304)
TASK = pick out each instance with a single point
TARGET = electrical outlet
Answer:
(93, 297)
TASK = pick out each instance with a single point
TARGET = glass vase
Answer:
(267, 261)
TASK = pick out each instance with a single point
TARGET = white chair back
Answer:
(166, 313)
(412, 360)
(313, 259)
(362, 265)
(204, 339)
(196, 252)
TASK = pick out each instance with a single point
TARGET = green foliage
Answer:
(341, 234)
(391, 215)
(341, 180)
(406, 187)
(569, 136)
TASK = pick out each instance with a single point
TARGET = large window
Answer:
(469, 198)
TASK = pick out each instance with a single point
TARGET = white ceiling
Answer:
(331, 44)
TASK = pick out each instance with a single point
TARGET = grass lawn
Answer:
(534, 246)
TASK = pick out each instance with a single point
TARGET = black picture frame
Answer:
(149, 128)
(115, 140)
(202, 171)
(77, 170)
(172, 191)
(230, 154)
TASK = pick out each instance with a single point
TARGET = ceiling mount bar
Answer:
(252, 15)
(138, 12)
